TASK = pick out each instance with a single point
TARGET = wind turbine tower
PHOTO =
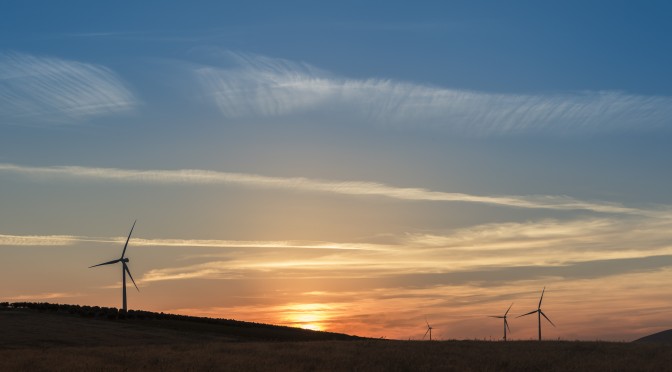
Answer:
(506, 323)
(539, 313)
(429, 330)
(124, 269)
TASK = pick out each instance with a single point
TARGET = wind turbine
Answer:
(506, 323)
(429, 330)
(539, 313)
(124, 267)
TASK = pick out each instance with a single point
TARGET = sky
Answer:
(356, 167)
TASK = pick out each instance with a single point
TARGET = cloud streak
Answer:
(43, 296)
(267, 87)
(516, 251)
(352, 188)
(64, 240)
(37, 240)
(52, 89)
(487, 253)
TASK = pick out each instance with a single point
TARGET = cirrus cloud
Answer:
(259, 86)
(49, 89)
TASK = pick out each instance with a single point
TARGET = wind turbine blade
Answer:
(507, 310)
(427, 322)
(131, 276)
(106, 263)
(496, 316)
(542, 297)
(423, 337)
(542, 313)
(127, 239)
(507, 325)
(531, 312)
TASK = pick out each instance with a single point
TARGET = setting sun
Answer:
(307, 316)
(307, 321)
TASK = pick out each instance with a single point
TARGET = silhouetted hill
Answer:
(26, 324)
(661, 337)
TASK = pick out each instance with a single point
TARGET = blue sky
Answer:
(345, 150)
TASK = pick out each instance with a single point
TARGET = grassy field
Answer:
(373, 355)
(36, 341)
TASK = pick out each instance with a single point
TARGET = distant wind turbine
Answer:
(539, 313)
(506, 323)
(429, 330)
(124, 268)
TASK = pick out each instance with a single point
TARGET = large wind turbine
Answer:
(429, 330)
(506, 323)
(539, 313)
(124, 268)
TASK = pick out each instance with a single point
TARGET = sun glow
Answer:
(307, 316)
(308, 321)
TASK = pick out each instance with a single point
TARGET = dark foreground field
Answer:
(34, 341)
(374, 355)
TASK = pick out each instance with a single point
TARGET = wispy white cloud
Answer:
(354, 188)
(63, 240)
(210, 270)
(36, 240)
(212, 243)
(262, 86)
(522, 235)
(52, 89)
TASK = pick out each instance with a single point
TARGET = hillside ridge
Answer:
(25, 323)
(660, 337)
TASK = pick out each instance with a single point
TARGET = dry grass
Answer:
(374, 355)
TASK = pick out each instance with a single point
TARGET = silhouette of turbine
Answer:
(539, 313)
(429, 330)
(506, 323)
(124, 268)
